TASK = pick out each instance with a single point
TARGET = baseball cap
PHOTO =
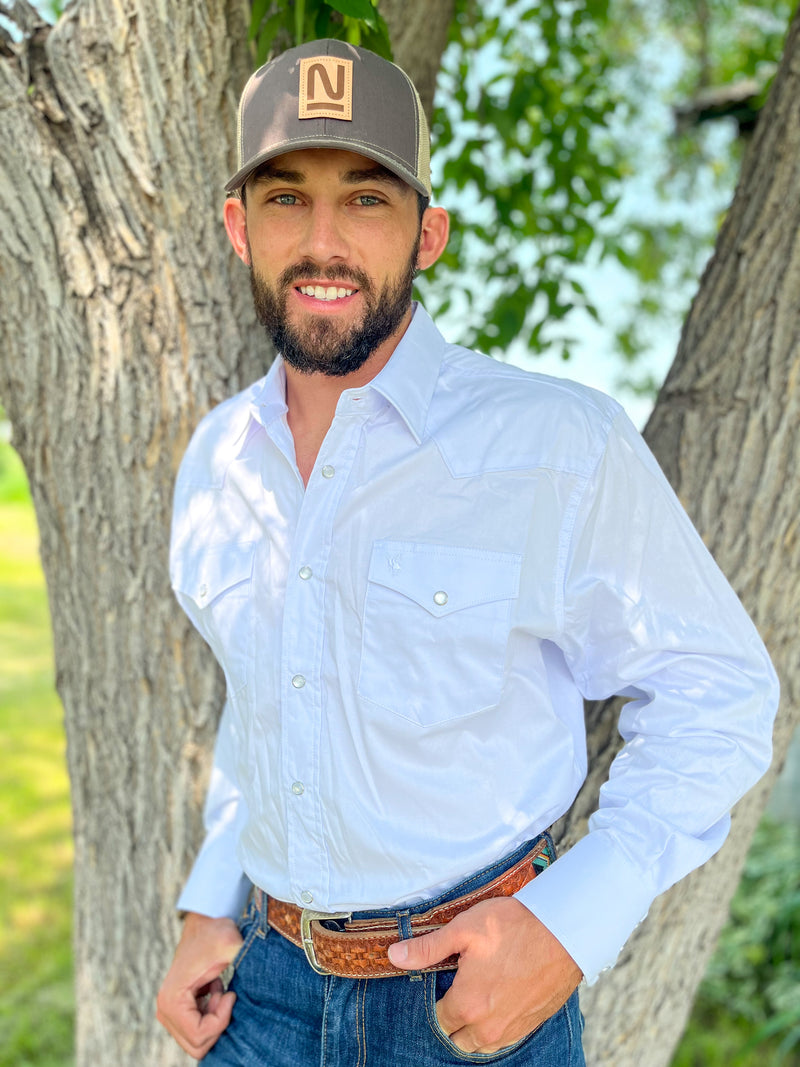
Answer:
(330, 94)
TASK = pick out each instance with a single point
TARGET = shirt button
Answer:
(203, 590)
(305, 573)
(440, 598)
(298, 788)
(306, 897)
(298, 681)
(328, 471)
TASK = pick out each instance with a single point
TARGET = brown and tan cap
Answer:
(330, 94)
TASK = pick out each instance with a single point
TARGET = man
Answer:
(413, 563)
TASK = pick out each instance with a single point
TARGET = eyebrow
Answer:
(378, 173)
(267, 173)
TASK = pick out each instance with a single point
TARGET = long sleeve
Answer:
(648, 615)
(217, 885)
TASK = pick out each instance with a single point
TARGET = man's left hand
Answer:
(512, 973)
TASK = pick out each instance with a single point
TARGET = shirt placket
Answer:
(303, 649)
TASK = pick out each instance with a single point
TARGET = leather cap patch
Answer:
(326, 88)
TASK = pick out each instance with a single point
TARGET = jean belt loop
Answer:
(404, 929)
(260, 903)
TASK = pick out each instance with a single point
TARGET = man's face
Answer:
(333, 243)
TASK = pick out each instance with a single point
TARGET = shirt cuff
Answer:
(217, 886)
(591, 899)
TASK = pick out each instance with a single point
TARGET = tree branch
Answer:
(24, 16)
(6, 42)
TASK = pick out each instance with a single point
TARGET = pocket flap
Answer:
(443, 578)
(211, 570)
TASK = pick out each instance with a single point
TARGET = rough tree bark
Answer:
(124, 318)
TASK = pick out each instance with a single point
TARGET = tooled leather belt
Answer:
(359, 948)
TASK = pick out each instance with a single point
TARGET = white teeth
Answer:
(319, 292)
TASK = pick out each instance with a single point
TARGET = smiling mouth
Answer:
(321, 292)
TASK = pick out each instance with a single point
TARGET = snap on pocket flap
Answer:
(442, 578)
(213, 570)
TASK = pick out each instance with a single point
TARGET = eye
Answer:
(367, 200)
(285, 199)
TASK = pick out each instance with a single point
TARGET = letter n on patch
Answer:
(326, 88)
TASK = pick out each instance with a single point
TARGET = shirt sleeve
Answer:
(217, 885)
(648, 615)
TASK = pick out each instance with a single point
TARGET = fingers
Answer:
(195, 1029)
(215, 1020)
(512, 975)
(469, 1021)
(469, 1031)
(191, 1003)
(419, 952)
(450, 1014)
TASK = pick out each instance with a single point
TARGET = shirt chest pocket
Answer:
(435, 630)
(214, 584)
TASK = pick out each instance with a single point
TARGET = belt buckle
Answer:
(307, 917)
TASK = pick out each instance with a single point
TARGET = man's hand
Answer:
(191, 1003)
(512, 973)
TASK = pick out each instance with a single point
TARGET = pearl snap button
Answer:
(306, 897)
(440, 598)
(305, 573)
(298, 788)
(328, 471)
(298, 681)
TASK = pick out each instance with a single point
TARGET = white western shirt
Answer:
(407, 642)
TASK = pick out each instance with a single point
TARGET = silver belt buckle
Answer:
(307, 917)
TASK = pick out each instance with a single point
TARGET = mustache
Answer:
(336, 272)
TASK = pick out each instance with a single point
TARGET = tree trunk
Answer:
(128, 317)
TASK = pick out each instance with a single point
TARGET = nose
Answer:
(323, 238)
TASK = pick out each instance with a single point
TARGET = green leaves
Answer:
(276, 25)
(548, 113)
(522, 152)
(354, 9)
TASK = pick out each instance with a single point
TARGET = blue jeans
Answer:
(287, 1015)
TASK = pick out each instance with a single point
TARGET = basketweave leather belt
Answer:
(359, 948)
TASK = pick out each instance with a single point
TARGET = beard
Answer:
(321, 345)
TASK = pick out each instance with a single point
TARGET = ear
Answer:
(233, 214)
(433, 236)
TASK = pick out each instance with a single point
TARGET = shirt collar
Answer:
(269, 395)
(407, 381)
(409, 378)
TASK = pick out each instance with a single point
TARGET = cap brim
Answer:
(237, 180)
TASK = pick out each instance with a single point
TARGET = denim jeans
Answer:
(287, 1015)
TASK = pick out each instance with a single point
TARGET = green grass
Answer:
(37, 1004)
(13, 483)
